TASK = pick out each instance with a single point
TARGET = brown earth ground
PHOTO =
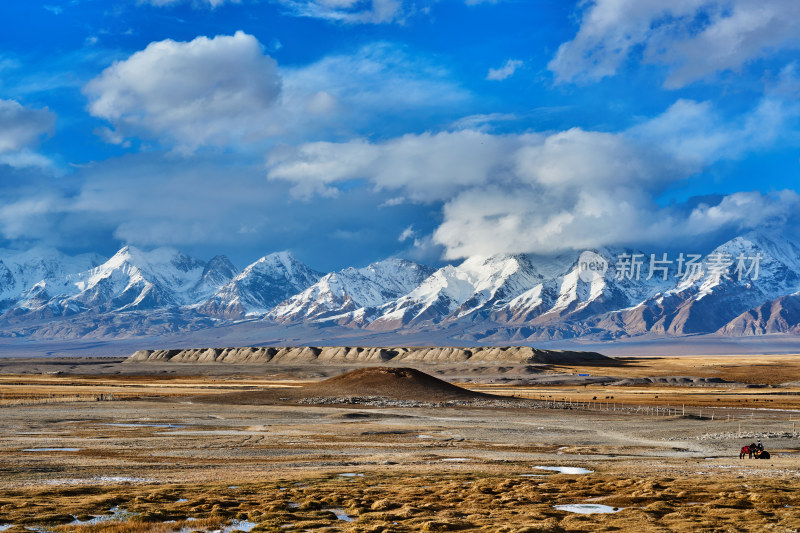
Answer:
(161, 445)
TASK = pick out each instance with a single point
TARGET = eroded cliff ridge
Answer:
(347, 354)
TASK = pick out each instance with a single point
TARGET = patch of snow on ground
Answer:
(574, 470)
(99, 480)
(341, 515)
(587, 508)
(116, 514)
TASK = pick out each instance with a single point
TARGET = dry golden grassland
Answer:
(158, 453)
(755, 369)
(429, 502)
(762, 370)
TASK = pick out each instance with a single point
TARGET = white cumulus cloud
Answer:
(225, 92)
(209, 91)
(694, 39)
(545, 192)
(20, 130)
(427, 166)
(494, 220)
(21, 127)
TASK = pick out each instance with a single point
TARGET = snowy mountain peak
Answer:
(165, 265)
(280, 263)
(40, 267)
(261, 286)
(352, 289)
(134, 279)
(154, 261)
(217, 272)
(724, 287)
(490, 274)
(771, 247)
(221, 266)
(530, 296)
(285, 259)
(477, 284)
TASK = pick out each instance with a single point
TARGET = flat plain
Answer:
(101, 445)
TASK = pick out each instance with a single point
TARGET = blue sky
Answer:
(348, 131)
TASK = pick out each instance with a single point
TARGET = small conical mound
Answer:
(397, 383)
(386, 382)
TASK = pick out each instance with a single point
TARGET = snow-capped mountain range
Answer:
(749, 285)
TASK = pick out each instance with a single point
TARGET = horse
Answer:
(746, 450)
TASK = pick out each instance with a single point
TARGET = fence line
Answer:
(50, 399)
(710, 413)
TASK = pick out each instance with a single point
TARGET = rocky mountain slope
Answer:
(25, 274)
(748, 285)
(781, 315)
(130, 280)
(260, 287)
(352, 289)
(705, 303)
(453, 292)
